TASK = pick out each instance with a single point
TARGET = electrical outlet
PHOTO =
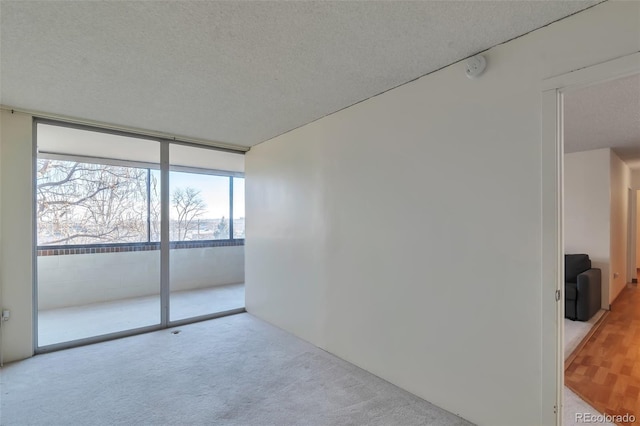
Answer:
(6, 314)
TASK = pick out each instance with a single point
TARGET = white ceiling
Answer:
(238, 72)
(606, 115)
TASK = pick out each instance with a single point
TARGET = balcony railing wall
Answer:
(80, 279)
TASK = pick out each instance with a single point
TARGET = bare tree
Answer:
(82, 203)
(189, 206)
(154, 207)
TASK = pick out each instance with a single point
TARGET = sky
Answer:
(214, 190)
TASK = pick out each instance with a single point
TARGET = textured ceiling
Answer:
(238, 72)
(605, 115)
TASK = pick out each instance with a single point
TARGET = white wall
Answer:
(81, 279)
(620, 184)
(394, 233)
(635, 179)
(635, 185)
(631, 236)
(587, 210)
(596, 185)
(638, 230)
(17, 234)
(1, 240)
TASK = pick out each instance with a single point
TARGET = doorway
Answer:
(553, 97)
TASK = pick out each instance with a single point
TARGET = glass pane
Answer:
(155, 206)
(83, 203)
(206, 268)
(209, 159)
(238, 207)
(199, 206)
(97, 271)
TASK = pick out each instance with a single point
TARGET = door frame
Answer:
(552, 166)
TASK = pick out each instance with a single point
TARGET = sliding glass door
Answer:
(98, 258)
(117, 254)
(206, 261)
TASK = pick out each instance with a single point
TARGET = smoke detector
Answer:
(475, 66)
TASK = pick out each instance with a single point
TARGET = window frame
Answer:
(148, 244)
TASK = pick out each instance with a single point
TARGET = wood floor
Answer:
(606, 372)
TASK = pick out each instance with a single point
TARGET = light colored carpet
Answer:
(574, 332)
(234, 370)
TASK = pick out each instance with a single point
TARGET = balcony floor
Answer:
(78, 322)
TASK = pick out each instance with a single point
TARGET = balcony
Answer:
(87, 291)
